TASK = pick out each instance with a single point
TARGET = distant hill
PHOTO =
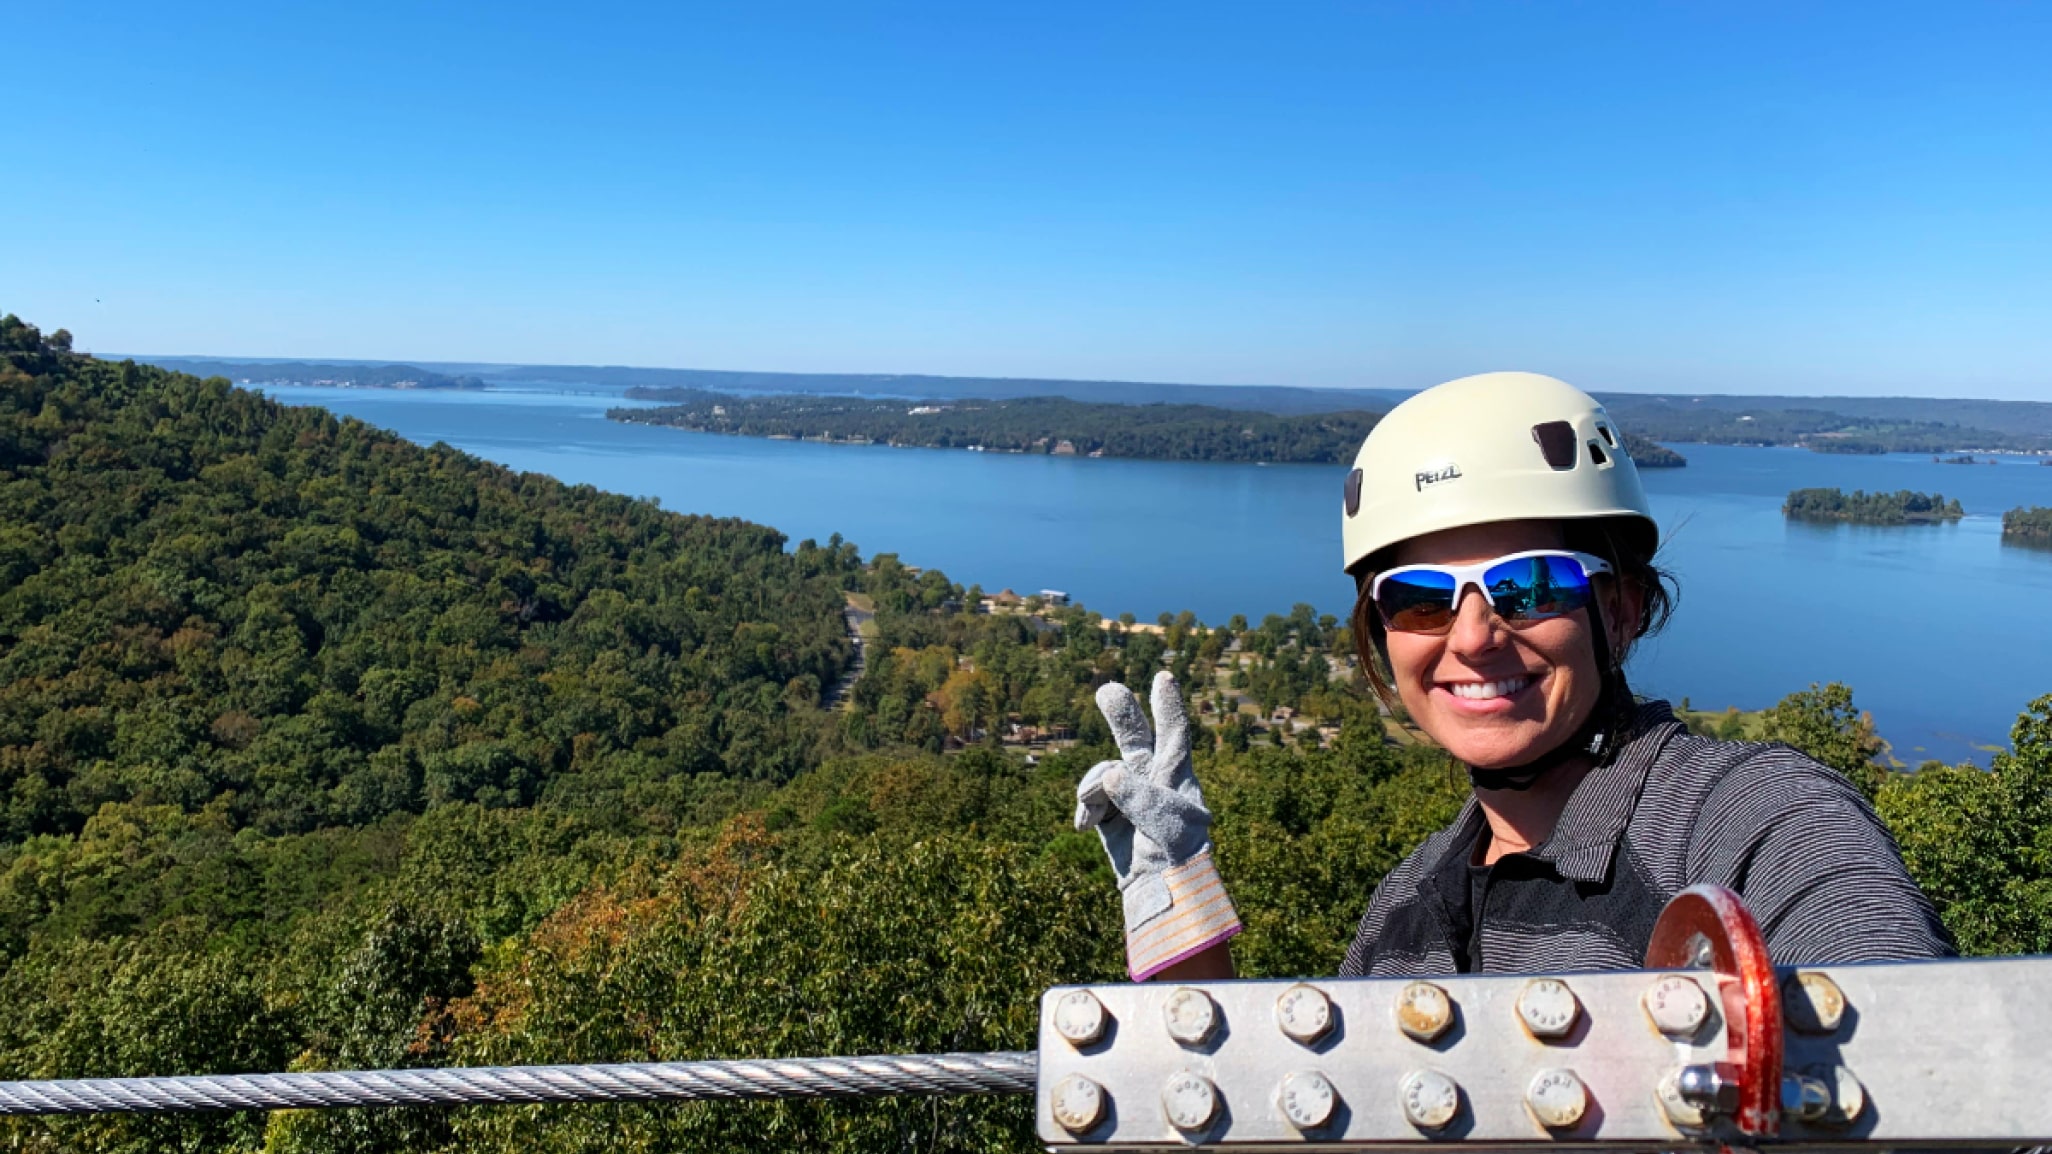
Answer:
(346, 375)
(1826, 424)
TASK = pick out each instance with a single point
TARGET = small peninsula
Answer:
(2028, 525)
(1055, 426)
(1901, 507)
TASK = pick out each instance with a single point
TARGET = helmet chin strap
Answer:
(1586, 741)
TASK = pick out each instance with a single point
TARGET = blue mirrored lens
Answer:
(1417, 602)
(1531, 588)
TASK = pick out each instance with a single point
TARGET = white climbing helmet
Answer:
(1493, 447)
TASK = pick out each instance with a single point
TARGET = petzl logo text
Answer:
(1436, 474)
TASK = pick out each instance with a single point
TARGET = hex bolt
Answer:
(1804, 1098)
(1189, 1100)
(1424, 1011)
(1430, 1098)
(1191, 1015)
(1304, 1013)
(1812, 1003)
(1548, 1008)
(1848, 1097)
(1557, 1099)
(1078, 1104)
(1307, 1099)
(1079, 1018)
(1677, 1006)
(1682, 1113)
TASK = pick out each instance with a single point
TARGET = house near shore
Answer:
(1053, 597)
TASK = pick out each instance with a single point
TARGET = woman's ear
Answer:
(1624, 612)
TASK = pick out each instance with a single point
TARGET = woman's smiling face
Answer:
(1495, 696)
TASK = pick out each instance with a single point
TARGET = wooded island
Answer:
(1901, 507)
(1051, 425)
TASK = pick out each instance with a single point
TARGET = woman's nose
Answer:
(1476, 627)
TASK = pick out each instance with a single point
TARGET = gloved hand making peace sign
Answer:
(1150, 812)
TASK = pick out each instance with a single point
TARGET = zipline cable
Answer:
(1009, 1072)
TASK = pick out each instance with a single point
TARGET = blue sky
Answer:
(1724, 197)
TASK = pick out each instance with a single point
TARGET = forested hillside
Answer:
(320, 750)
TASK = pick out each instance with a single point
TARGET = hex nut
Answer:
(1304, 1013)
(1192, 1016)
(1079, 1018)
(1424, 1011)
(1430, 1099)
(1677, 1006)
(1812, 1003)
(1307, 1099)
(1077, 1103)
(1548, 1008)
(1557, 1099)
(1681, 1113)
(1804, 1098)
(1189, 1100)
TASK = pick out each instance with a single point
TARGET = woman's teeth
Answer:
(1484, 690)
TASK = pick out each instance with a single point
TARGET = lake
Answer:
(1942, 631)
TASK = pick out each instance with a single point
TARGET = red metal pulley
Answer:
(1708, 927)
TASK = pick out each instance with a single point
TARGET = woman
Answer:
(1502, 547)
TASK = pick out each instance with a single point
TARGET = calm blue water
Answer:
(1943, 632)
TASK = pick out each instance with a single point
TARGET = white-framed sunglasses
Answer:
(1529, 586)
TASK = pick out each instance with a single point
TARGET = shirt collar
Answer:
(1585, 840)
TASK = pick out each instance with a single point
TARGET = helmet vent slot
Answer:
(1557, 443)
(1607, 438)
(1353, 492)
(1597, 455)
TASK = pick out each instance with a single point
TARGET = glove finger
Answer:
(1164, 816)
(1093, 804)
(1129, 726)
(1172, 737)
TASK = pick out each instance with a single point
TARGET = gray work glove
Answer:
(1150, 812)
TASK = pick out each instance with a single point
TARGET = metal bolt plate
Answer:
(1557, 1099)
(1812, 1003)
(1423, 1011)
(1548, 1008)
(1431, 1099)
(1079, 1018)
(1677, 1006)
(1189, 1100)
(1307, 1099)
(1304, 1013)
(1078, 1104)
(1191, 1016)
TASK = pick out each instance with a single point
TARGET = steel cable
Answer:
(891, 1074)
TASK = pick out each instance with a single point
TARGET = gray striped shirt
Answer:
(1791, 836)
